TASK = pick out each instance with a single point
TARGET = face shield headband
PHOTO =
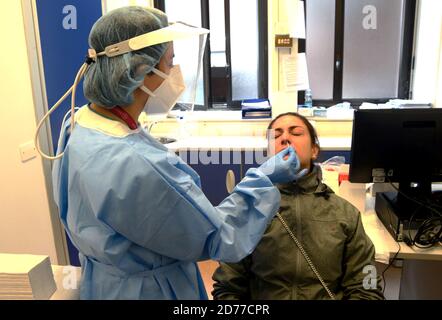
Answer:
(175, 31)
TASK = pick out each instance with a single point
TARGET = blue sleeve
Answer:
(160, 207)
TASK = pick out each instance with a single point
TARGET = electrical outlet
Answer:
(27, 151)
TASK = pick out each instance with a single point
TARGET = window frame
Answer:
(406, 63)
(208, 71)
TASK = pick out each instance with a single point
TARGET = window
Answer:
(359, 50)
(235, 63)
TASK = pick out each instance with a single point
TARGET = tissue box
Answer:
(306, 112)
(320, 112)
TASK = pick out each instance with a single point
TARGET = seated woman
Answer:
(326, 226)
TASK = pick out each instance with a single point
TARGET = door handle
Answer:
(338, 65)
(230, 181)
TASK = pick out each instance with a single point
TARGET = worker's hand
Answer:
(282, 171)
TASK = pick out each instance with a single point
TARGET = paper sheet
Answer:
(297, 24)
(295, 74)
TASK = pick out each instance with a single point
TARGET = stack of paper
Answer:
(398, 103)
(26, 277)
(256, 108)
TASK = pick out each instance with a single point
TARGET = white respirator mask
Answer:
(164, 98)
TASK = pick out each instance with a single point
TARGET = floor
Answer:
(392, 278)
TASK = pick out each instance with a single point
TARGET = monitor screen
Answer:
(397, 145)
(402, 146)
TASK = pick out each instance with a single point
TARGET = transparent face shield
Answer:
(188, 53)
(189, 44)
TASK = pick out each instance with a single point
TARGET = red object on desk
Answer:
(342, 177)
(343, 174)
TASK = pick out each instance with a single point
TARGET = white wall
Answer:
(427, 83)
(109, 5)
(25, 225)
(277, 24)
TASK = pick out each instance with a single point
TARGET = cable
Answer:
(429, 232)
(410, 240)
(389, 265)
(72, 90)
(391, 262)
(413, 199)
(425, 236)
(151, 126)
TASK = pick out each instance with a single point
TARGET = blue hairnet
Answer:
(111, 81)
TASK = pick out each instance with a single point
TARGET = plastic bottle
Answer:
(308, 98)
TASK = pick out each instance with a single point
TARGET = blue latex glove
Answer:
(279, 170)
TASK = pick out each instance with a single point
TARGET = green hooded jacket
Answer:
(331, 232)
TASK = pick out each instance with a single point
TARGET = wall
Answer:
(277, 24)
(25, 224)
(427, 82)
(109, 5)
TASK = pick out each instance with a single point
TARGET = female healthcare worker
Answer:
(135, 212)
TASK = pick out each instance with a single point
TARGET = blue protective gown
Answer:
(138, 217)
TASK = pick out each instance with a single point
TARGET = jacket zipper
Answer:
(299, 236)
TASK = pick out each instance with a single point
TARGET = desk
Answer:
(421, 276)
(386, 246)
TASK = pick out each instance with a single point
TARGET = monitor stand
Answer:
(396, 210)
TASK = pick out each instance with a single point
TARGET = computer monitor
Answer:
(398, 145)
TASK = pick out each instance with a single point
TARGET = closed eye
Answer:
(294, 131)
(297, 131)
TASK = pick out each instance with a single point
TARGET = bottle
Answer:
(308, 98)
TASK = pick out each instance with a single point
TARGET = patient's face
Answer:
(291, 131)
